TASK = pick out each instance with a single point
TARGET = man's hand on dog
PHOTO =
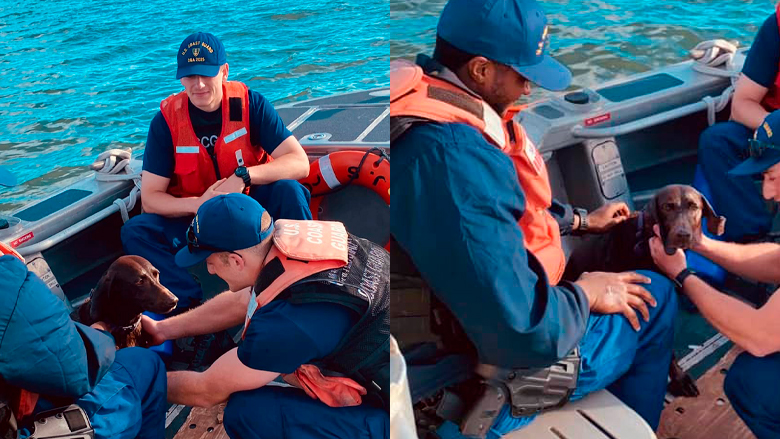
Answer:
(151, 331)
(607, 216)
(670, 265)
(618, 293)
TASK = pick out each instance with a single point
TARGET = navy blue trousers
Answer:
(285, 412)
(158, 238)
(129, 402)
(753, 388)
(722, 147)
(633, 365)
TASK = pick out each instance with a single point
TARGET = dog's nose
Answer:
(683, 234)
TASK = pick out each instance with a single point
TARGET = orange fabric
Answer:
(772, 99)
(194, 169)
(304, 248)
(333, 391)
(7, 250)
(541, 234)
(23, 404)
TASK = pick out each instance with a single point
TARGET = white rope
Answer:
(114, 165)
(716, 58)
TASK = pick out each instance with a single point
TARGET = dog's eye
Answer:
(668, 207)
(140, 281)
(693, 206)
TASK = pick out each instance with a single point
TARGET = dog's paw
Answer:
(680, 383)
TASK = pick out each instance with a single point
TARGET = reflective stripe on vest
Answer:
(303, 248)
(193, 167)
(772, 99)
(415, 94)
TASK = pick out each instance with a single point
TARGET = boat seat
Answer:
(599, 415)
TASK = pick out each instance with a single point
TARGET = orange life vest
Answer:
(194, 168)
(418, 95)
(304, 248)
(772, 99)
(358, 274)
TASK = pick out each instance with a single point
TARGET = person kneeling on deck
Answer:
(480, 232)
(724, 145)
(43, 351)
(751, 382)
(215, 137)
(319, 296)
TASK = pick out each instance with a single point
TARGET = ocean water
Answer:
(601, 40)
(80, 77)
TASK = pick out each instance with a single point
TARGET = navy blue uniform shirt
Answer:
(282, 336)
(266, 129)
(762, 60)
(454, 209)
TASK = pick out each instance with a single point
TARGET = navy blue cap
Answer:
(511, 32)
(764, 147)
(200, 54)
(224, 223)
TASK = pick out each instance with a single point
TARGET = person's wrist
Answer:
(162, 329)
(583, 222)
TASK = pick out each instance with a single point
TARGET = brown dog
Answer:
(678, 210)
(130, 286)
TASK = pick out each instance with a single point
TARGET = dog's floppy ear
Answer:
(84, 312)
(650, 216)
(100, 297)
(715, 224)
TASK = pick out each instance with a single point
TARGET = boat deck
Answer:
(709, 415)
(204, 423)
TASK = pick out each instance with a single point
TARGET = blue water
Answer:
(80, 77)
(603, 40)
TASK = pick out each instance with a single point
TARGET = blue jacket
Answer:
(41, 349)
(454, 209)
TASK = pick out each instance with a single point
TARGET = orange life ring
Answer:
(335, 169)
(7, 250)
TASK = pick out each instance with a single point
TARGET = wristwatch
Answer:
(583, 215)
(680, 278)
(243, 173)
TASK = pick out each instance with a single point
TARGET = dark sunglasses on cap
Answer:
(758, 147)
(192, 243)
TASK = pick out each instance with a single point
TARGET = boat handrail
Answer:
(639, 124)
(72, 230)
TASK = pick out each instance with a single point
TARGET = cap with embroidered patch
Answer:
(764, 148)
(200, 54)
(224, 223)
(511, 32)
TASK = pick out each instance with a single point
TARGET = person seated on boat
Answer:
(480, 231)
(122, 392)
(725, 144)
(751, 381)
(308, 293)
(216, 136)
